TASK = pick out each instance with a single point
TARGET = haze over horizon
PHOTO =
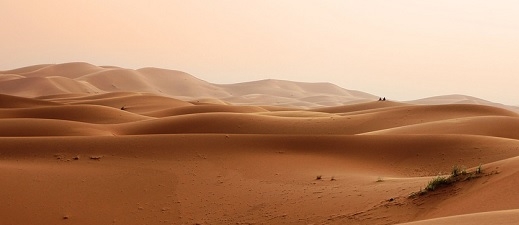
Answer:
(403, 50)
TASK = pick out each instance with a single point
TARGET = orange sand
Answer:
(185, 151)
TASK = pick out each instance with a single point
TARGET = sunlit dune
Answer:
(498, 126)
(84, 144)
(175, 111)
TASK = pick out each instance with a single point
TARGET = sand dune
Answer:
(80, 113)
(7, 77)
(91, 79)
(82, 144)
(292, 89)
(258, 179)
(494, 191)
(68, 98)
(460, 99)
(39, 86)
(497, 126)
(234, 123)
(355, 124)
(114, 80)
(208, 101)
(132, 102)
(176, 83)
(295, 113)
(8, 101)
(504, 217)
(67, 70)
(28, 127)
(441, 111)
(449, 99)
(205, 109)
(25, 69)
(359, 107)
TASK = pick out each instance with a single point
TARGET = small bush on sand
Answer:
(457, 174)
(436, 182)
(319, 177)
(456, 171)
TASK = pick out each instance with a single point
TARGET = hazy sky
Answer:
(401, 49)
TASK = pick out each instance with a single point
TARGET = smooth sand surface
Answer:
(123, 147)
(498, 217)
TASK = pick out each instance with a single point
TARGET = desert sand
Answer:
(84, 144)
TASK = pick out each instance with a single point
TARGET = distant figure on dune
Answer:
(380, 99)
(384, 99)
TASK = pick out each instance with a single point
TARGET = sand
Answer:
(81, 144)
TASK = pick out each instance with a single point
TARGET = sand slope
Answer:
(82, 144)
(498, 217)
(497, 126)
(8, 101)
(460, 99)
(80, 113)
(219, 179)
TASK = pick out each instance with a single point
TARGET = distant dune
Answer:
(84, 78)
(82, 144)
(41, 80)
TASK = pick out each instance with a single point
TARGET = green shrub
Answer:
(458, 173)
(436, 182)
(456, 170)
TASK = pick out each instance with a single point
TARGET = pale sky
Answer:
(401, 49)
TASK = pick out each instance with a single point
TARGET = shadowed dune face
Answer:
(7, 101)
(107, 145)
(81, 113)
